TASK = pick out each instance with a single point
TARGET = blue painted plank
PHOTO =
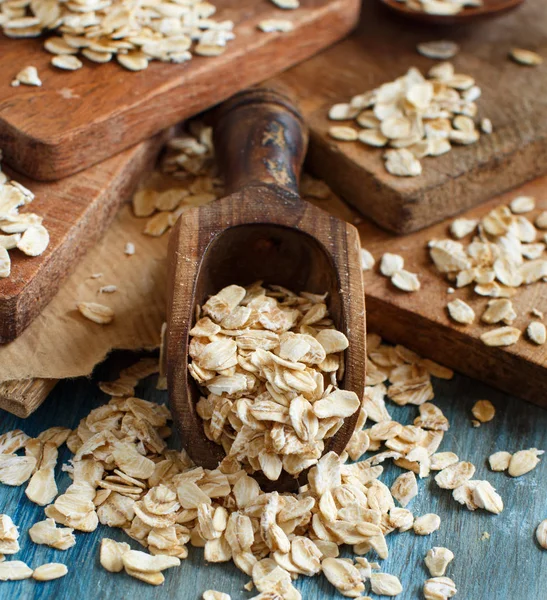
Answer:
(508, 566)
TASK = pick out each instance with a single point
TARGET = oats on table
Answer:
(27, 76)
(541, 534)
(461, 312)
(135, 34)
(14, 570)
(536, 332)
(439, 49)
(483, 411)
(367, 260)
(49, 572)
(384, 584)
(499, 461)
(414, 116)
(524, 461)
(526, 57)
(437, 559)
(503, 336)
(426, 524)
(455, 475)
(439, 588)
(276, 25)
(286, 4)
(98, 313)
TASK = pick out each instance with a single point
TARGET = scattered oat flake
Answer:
(214, 595)
(14, 570)
(426, 524)
(524, 461)
(286, 4)
(129, 249)
(499, 461)
(461, 312)
(526, 57)
(485, 536)
(439, 588)
(108, 289)
(98, 313)
(274, 25)
(28, 76)
(50, 571)
(439, 50)
(437, 559)
(536, 332)
(522, 204)
(391, 264)
(367, 260)
(541, 534)
(34, 240)
(406, 281)
(483, 411)
(503, 336)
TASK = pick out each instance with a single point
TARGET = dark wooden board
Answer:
(383, 48)
(76, 210)
(79, 118)
(508, 566)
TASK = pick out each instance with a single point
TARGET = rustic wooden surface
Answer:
(383, 47)
(262, 231)
(79, 118)
(420, 320)
(508, 566)
(76, 210)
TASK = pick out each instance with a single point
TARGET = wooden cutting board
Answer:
(420, 320)
(383, 48)
(79, 118)
(76, 210)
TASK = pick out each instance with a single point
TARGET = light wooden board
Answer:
(508, 566)
(420, 320)
(79, 118)
(76, 210)
(383, 48)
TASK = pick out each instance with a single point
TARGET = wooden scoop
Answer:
(261, 231)
(490, 8)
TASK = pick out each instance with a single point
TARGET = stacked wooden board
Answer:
(383, 47)
(79, 118)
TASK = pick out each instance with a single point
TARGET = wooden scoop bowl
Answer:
(490, 8)
(261, 231)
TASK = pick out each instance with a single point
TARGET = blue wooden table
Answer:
(509, 565)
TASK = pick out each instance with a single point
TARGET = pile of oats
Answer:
(268, 362)
(23, 231)
(415, 116)
(124, 475)
(496, 255)
(134, 33)
(441, 7)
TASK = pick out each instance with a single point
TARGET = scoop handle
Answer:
(260, 138)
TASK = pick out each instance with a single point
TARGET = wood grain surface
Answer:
(23, 397)
(420, 320)
(79, 118)
(263, 231)
(383, 48)
(76, 210)
(508, 566)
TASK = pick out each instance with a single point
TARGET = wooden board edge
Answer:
(22, 398)
(453, 348)
(22, 308)
(67, 153)
(403, 214)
